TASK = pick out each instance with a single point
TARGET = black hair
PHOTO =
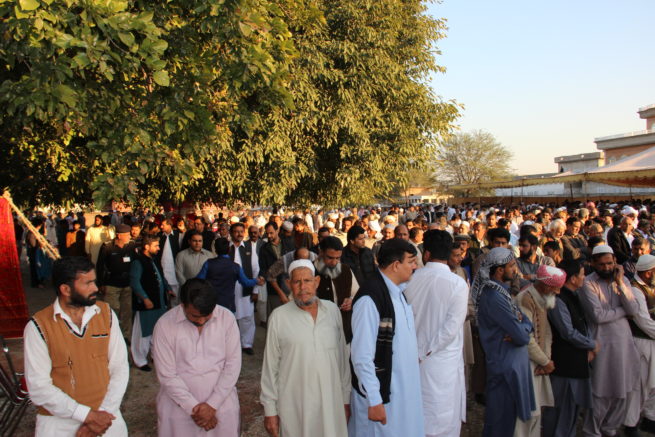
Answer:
(438, 243)
(530, 238)
(271, 223)
(494, 233)
(572, 219)
(323, 229)
(199, 294)
(330, 243)
(149, 239)
(552, 245)
(237, 225)
(527, 229)
(66, 269)
(221, 246)
(414, 232)
(394, 250)
(595, 241)
(192, 233)
(570, 266)
(354, 232)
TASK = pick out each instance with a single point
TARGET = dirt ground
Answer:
(139, 403)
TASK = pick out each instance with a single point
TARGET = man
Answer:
(573, 349)
(504, 334)
(640, 246)
(387, 234)
(642, 326)
(223, 273)
(268, 255)
(357, 256)
(338, 283)
(254, 245)
(114, 260)
(305, 375)
(169, 243)
(401, 232)
(208, 235)
(245, 297)
(76, 393)
(96, 236)
(617, 239)
(135, 235)
(608, 300)
(321, 234)
(439, 300)
(342, 234)
(149, 287)
(197, 357)
(386, 399)
(534, 302)
(478, 234)
(574, 244)
(189, 261)
(528, 261)
(276, 276)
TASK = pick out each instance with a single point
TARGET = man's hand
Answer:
(254, 298)
(548, 368)
(272, 425)
(84, 431)
(618, 274)
(590, 356)
(377, 413)
(202, 414)
(212, 424)
(347, 304)
(261, 280)
(284, 299)
(98, 421)
(148, 304)
(347, 408)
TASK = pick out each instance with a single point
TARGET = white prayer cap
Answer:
(627, 210)
(602, 248)
(330, 225)
(260, 221)
(645, 263)
(527, 223)
(301, 264)
(287, 226)
(333, 216)
(390, 219)
(375, 225)
(234, 219)
(561, 208)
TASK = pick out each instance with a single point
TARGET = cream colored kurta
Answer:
(306, 374)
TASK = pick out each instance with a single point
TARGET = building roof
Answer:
(579, 157)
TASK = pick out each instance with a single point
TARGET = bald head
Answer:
(401, 232)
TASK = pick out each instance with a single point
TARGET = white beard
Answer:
(551, 301)
(331, 273)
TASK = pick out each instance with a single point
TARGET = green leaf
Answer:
(82, 60)
(66, 95)
(29, 5)
(161, 78)
(127, 38)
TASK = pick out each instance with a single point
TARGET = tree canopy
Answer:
(268, 101)
(470, 158)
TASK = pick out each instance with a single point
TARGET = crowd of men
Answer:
(378, 321)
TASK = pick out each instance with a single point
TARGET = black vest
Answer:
(343, 284)
(377, 290)
(150, 284)
(650, 303)
(570, 361)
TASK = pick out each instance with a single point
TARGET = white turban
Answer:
(301, 263)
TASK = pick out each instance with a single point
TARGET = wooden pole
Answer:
(51, 251)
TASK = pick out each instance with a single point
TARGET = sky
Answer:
(547, 77)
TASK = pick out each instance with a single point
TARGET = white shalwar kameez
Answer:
(439, 299)
(643, 399)
(168, 270)
(245, 309)
(305, 374)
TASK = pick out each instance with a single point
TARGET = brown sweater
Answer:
(80, 364)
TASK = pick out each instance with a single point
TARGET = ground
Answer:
(139, 403)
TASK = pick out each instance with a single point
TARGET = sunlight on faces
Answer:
(303, 285)
(84, 292)
(604, 265)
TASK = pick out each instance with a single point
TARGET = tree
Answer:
(270, 101)
(470, 158)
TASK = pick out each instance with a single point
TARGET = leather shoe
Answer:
(647, 425)
(631, 431)
(145, 368)
(248, 350)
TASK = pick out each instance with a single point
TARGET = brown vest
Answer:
(649, 294)
(80, 364)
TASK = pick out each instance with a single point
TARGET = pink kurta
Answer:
(193, 368)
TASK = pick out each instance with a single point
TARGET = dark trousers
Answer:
(31, 257)
(500, 412)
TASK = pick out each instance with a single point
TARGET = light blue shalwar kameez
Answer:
(405, 409)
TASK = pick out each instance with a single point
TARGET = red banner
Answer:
(13, 308)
